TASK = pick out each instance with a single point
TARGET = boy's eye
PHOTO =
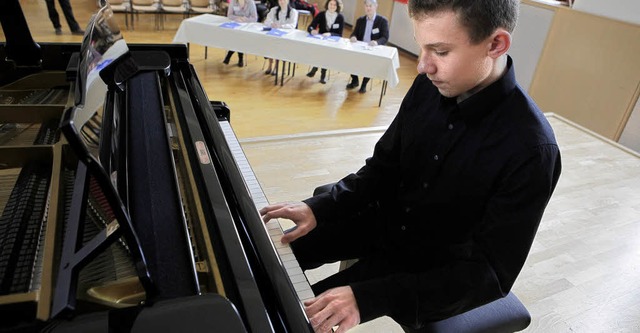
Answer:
(441, 53)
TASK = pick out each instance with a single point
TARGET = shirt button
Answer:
(435, 157)
(450, 126)
(407, 209)
(403, 228)
(425, 185)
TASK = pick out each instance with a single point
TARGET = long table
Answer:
(292, 45)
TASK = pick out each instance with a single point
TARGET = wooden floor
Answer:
(583, 271)
(258, 107)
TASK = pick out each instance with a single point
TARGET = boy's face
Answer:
(448, 57)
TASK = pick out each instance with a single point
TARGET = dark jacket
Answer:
(461, 189)
(380, 23)
(320, 22)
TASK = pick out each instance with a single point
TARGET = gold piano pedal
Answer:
(118, 294)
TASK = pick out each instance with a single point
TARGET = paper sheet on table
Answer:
(230, 25)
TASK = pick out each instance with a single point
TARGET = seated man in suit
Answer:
(372, 29)
(442, 216)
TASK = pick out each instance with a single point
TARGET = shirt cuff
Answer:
(372, 299)
(323, 206)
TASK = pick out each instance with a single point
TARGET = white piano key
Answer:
(273, 224)
(306, 295)
(274, 229)
(298, 278)
(301, 285)
(285, 250)
(288, 257)
(290, 264)
(293, 270)
(274, 232)
(276, 241)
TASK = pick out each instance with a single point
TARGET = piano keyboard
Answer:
(297, 277)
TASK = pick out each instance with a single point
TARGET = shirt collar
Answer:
(481, 103)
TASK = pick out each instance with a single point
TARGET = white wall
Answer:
(626, 11)
(631, 134)
(622, 10)
(401, 29)
(528, 38)
(528, 41)
(348, 11)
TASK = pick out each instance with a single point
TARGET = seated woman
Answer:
(328, 23)
(281, 17)
(240, 11)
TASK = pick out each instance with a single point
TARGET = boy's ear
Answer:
(500, 43)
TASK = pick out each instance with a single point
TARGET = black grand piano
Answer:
(126, 203)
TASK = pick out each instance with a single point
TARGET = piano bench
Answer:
(504, 315)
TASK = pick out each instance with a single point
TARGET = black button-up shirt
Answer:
(462, 188)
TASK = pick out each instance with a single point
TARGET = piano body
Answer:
(126, 203)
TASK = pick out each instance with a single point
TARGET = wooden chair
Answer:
(174, 6)
(202, 7)
(148, 6)
(122, 6)
(304, 17)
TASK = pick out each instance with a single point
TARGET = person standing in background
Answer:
(68, 15)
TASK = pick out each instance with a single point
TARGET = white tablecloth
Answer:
(295, 46)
